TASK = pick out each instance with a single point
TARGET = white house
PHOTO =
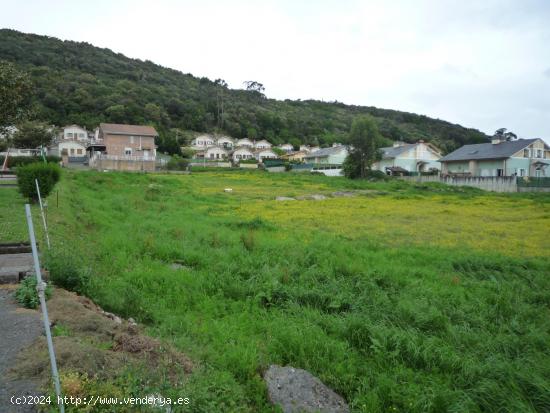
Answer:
(225, 142)
(522, 157)
(245, 142)
(215, 152)
(202, 142)
(241, 154)
(408, 157)
(331, 156)
(287, 147)
(74, 132)
(263, 144)
(73, 149)
(262, 154)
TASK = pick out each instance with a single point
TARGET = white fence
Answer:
(487, 183)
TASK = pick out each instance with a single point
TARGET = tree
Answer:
(220, 85)
(33, 135)
(254, 86)
(502, 134)
(15, 94)
(365, 139)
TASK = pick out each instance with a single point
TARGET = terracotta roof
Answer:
(118, 129)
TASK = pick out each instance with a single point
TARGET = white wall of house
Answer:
(203, 141)
(265, 154)
(71, 148)
(263, 144)
(215, 152)
(225, 141)
(75, 132)
(242, 154)
(286, 147)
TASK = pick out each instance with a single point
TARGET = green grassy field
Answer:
(403, 298)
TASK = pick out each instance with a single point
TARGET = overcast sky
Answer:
(483, 64)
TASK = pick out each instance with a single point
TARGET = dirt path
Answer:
(18, 329)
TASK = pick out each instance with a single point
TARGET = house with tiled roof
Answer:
(521, 157)
(330, 156)
(128, 140)
(408, 157)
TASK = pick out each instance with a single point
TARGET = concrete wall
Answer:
(123, 165)
(487, 183)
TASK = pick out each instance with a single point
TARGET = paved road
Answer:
(18, 329)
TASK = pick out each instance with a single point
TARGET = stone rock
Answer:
(343, 193)
(317, 197)
(132, 322)
(284, 198)
(296, 390)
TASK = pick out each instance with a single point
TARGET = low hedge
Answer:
(15, 161)
(48, 175)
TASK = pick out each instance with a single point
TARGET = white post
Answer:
(40, 287)
(42, 212)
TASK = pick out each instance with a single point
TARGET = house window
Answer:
(80, 135)
(72, 151)
(500, 172)
(69, 135)
(522, 172)
(526, 153)
(539, 153)
(131, 139)
(127, 151)
(79, 151)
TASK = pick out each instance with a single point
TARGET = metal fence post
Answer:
(42, 212)
(40, 287)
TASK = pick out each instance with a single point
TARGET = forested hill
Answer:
(82, 84)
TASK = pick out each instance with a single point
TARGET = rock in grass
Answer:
(284, 198)
(296, 390)
(343, 193)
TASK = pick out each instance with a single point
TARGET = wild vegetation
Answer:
(406, 298)
(79, 83)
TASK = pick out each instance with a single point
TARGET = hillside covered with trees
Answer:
(82, 84)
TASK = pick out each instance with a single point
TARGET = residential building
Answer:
(70, 148)
(262, 154)
(296, 156)
(214, 153)
(331, 156)
(203, 141)
(244, 142)
(287, 147)
(408, 157)
(74, 132)
(242, 153)
(128, 140)
(225, 142)
(263, 144)
(522, 157)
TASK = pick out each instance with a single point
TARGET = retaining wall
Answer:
(487, 183)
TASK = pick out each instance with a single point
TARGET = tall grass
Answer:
(410, 298)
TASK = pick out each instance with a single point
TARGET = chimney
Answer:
(495, 140)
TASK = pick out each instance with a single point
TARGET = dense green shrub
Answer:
(67, 272)
(26, 293)
(177, 163)
(15, 161)
(47, 174)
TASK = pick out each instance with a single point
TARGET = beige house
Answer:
(128, 140)
(296, 156)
